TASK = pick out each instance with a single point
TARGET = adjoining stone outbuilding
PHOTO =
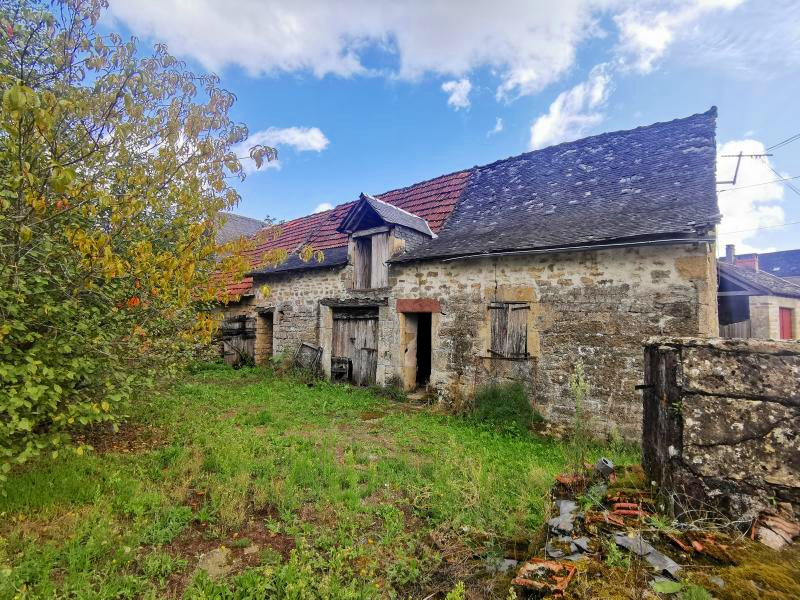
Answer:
(511, 271)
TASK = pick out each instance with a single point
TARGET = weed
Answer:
(391, 390)
(457, 593)
(580, 438)
(695, 592)
(505, 408)
(614, 557)
(167, 524)
(160, 565)
(593, 498)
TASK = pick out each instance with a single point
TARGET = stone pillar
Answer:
(721, 427)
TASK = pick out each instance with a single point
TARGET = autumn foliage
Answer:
(114, 163)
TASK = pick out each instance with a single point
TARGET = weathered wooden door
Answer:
(355, 336)
(238, 335)
(785, 318)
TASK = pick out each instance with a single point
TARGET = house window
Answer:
(509, 329)
(369, 260)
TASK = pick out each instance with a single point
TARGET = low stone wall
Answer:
(721, 426)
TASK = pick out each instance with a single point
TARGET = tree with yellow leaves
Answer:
(113, 168)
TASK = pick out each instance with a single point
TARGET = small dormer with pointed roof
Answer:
(377, 231)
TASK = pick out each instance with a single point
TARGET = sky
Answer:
(372, 95)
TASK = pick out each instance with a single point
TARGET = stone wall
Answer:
(597, 306)
(295, 302)
(722, 423)
(764, 320)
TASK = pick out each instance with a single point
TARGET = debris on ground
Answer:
(544, 576)
(606, 522)
(775, 532)
(215, 563)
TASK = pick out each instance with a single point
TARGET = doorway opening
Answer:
(424, 347)
(265, 331)
(417, 346)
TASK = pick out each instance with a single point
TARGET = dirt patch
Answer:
(131, 438)
(372, 415)
(244, 548)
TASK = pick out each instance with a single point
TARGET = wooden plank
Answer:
(740, 329)
(499, 328)
(379, 275)
(517, 337)
(362, 258)
(369, 232)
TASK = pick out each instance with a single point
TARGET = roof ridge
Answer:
(710, 112)
(238, 216)
(424, 181)
(394, 206)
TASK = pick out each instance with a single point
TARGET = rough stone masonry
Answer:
(722, 423)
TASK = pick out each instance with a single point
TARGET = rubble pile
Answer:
(605, 515)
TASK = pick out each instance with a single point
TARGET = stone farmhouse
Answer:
(754, 302)
(511, 271)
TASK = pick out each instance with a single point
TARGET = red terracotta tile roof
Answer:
(433, 200)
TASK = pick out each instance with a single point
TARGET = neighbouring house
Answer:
(784, 264)
(512, 271)
(754, 303)
(233, 226)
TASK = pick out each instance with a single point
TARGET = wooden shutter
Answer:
(517, 338)
(509, 329)
(380, 254)
(499, 314)
(362, 260)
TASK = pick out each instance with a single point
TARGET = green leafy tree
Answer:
(114, 163)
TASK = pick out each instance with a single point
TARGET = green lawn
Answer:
(308, 491)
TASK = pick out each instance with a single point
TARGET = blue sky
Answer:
(370, 96)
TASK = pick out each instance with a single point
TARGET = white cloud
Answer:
(747, 206)
(648, 29)
(498, 127)
(757, 42)
(573, 112)
(527, 43)
(322, 207)
(458, 92)
(301, 139)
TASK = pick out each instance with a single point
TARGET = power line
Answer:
(789, 185)
(760, 228)
(788, 140)
(744, 187)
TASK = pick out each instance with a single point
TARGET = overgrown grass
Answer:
(505, 408)
(375, 498)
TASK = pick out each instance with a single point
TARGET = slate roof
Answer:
(760, 281)
(785, 263)
(387, 213)
(332, 257)
(232, 226)
(650, 182)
